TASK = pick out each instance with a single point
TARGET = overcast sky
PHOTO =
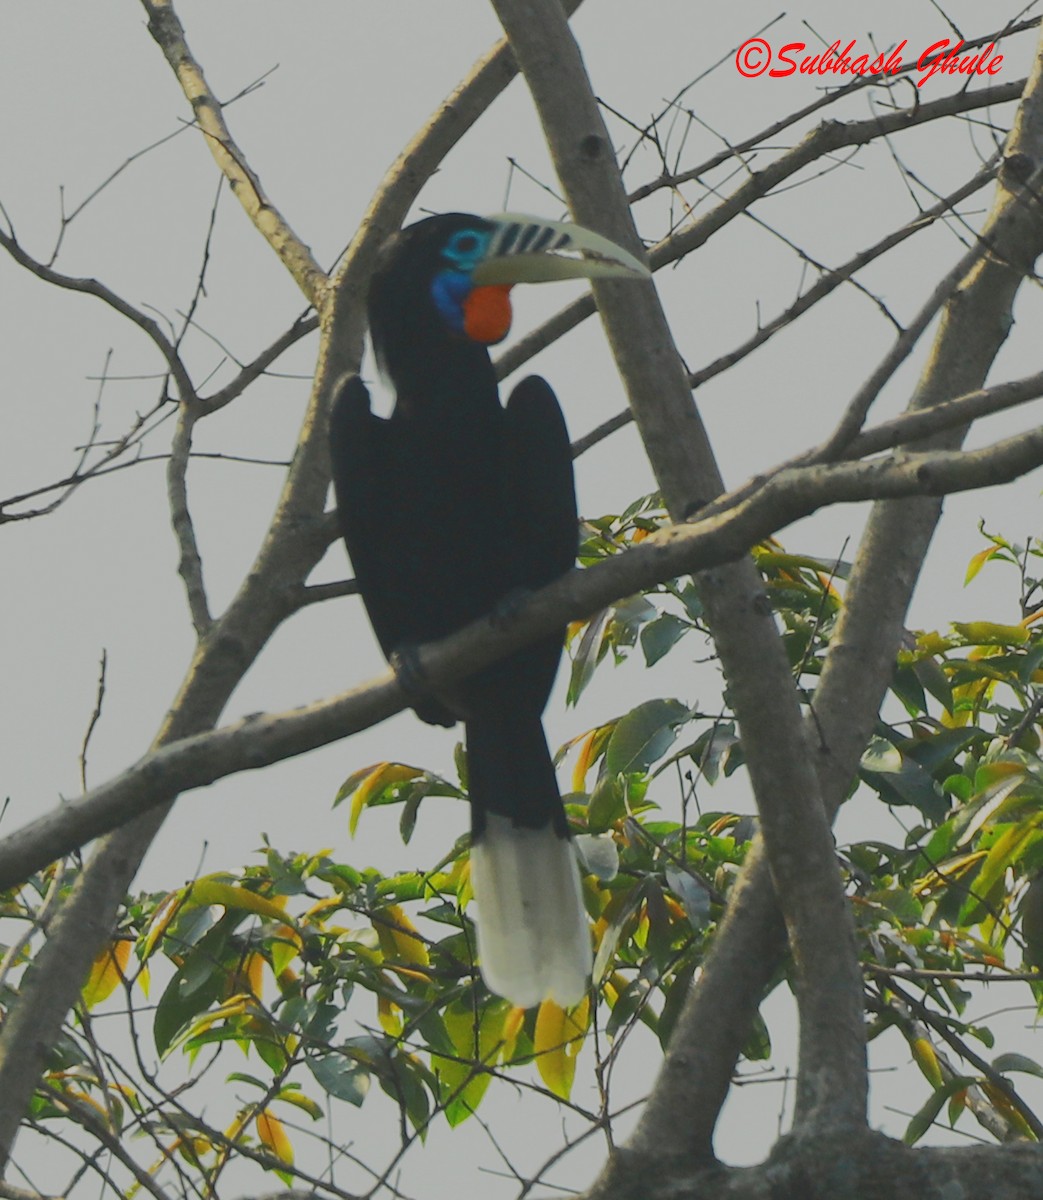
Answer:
(83, 88)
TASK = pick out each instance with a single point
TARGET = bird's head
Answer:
(445, 282)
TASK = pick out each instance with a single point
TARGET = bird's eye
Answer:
(465, 248)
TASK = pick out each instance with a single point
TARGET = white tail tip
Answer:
(533, 934)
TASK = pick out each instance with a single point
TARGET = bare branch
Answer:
(95, 717)
(91, 287)
(824, 140)
(169, 35)
(190, 565)
(304, 325)
(833, 96)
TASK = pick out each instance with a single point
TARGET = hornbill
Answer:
(449, 508)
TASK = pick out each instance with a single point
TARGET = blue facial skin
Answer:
(451, 286)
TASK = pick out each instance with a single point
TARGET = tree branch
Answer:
(91, 287)
(860, 659)
(296, 257)
(293, 545)
(823, 140)
(190, 565)
(832, 1084)
(700, 545)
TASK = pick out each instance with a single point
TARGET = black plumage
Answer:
(449, 507)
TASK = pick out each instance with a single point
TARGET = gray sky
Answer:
(83, 87)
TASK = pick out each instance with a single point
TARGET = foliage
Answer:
(330, 978)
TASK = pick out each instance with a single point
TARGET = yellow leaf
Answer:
(558, 1040)
(106, 973)
(989, 633)
(321, 907)
(382, 774)
(205, 892)
(948, 872)
(271, 1132)
(81, 1097)
(238, 1125)
(389, 1015)
(579, 771)
(1004, 851)
(253, 973)
(513, 1023)
(399, 938)
(990, 773)
(161, 918)
(977, 562)
(286, 946)
(235, 1006)
(720, 827)
(932, 643)
(926, 1059)
(463, 1079)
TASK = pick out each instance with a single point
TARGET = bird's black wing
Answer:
(360, 445)
(541, 537)
(356, 456)
(541, 492)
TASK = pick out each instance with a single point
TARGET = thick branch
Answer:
(861, 657)
(832, 1085)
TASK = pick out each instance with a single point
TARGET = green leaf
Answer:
(899, 780)
(1017, 1062)
(197, 984)
(1005, 852)
(928, 1114)
(906, 687)
(714, 750)
(693, 894)
(607, 803)
(588, 654)
(252, 1080)
(942, 747)
(660, 636)
(644, 735)
(758, 1044)
(934, 680)
(340, 1076)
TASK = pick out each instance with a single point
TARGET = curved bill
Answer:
(531, 250)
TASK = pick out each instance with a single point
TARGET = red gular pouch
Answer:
(487, 313)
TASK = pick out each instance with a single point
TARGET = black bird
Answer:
(448, 508)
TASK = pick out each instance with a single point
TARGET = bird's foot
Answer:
(409, 671)
(412, 679)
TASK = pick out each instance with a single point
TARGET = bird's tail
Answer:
(533, 934)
